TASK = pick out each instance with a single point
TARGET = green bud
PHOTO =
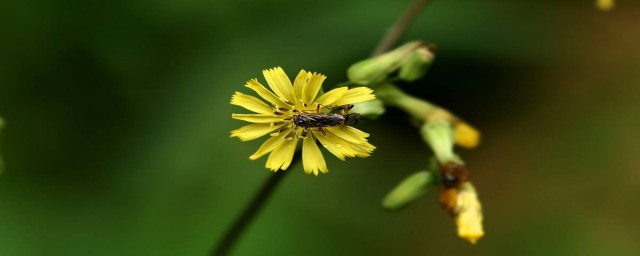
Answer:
(408, 190)
(439, 136)
(376, 69)
(371, 109)
(416, 65)
(432, 163)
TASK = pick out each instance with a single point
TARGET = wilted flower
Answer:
(468, 215)
(463, 204)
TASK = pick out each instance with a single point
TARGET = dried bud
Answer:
(448, 199)
(453, 174)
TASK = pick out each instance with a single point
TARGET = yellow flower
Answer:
(286, 100)
(468, 215)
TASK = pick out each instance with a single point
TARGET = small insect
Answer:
(322, 120)
(308, 120)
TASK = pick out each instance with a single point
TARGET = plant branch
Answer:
(400, 27)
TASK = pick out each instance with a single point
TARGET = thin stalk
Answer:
(400, 27)
(231, 236)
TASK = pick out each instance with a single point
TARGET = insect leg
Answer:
(323, 131)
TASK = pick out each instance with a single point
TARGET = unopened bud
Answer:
(408, 190)
(466, 136)
(416, 65)
(439, 136)
(375, 70)
(371, 109)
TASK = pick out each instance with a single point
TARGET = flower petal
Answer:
(258, 118)
(349, 133)
(355, 95)
(269, 145)
(363, 150)
(279, 83)
(253, 131)
(312, 88)
(333, 144)
(253, 84)
(251, 103)
(298, 85)
(330, 97)
(312, 158)
(281, 157)
(341, 147)
(469, 216)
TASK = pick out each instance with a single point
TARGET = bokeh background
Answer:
(118, 119)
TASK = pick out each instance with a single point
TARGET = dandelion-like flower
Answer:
(276, 117)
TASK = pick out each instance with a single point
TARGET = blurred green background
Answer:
(118, 119)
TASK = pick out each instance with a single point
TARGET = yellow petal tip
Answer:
(466, 136)
(473, 239)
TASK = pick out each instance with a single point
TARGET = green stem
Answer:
(435, 121)
(418, 108)
(231, 236)
(393, 96)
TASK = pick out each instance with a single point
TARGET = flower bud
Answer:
(416, 65)
(408, 190)
(376, 69)
(369, 109)
(466, 136)
(439, 136)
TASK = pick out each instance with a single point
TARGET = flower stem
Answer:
(418, 108)
(400, 26)
(232, 234)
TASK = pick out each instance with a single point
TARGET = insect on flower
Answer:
(295, 111)
(319, 121)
